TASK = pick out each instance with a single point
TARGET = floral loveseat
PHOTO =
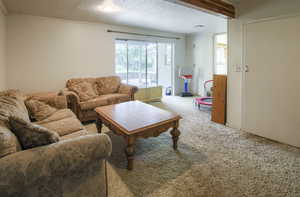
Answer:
(73, 166)
(85, 94)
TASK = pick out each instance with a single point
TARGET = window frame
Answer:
(146, 42)
(214, 52)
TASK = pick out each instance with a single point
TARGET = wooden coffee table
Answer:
(134, 120)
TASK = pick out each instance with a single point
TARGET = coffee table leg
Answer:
(99, 125)
(175, 135)
(130, 152)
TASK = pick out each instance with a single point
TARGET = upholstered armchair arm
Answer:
(128, 89)
(72, 99)
(54, 169)
(51, 98)
(70, 94)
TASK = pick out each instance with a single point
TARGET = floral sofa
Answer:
(74, 166)
(85, 94)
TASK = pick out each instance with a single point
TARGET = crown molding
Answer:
(3, 8)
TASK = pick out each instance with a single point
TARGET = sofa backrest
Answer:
(101, 85)
(11, 103)
(108, 85)
(73, 82)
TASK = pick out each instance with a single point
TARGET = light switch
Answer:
(238, 68)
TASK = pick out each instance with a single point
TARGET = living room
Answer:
(58, 57)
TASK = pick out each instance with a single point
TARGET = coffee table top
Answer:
(134, 116)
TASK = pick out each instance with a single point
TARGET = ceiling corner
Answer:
(3, 8)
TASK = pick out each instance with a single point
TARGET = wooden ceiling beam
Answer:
(215, 6)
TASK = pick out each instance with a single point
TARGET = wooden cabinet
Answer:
(218, 114)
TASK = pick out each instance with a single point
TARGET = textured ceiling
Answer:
(154, 14)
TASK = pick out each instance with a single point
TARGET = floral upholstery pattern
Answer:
(73, 166)
(115, 98)
(107, 99)
(108, 85)
(11, 104)
(58, 115)
(50, 98)
(79, 133)
(109, 91)
(39, 110)
(127, 89)
(93, 103)
(31, 135)
(63, 122)
(9, 143)
(63, 126)
(84, 90)
(14, 93)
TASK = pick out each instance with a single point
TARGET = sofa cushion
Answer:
(85, 90)
(58, 115)
(62, 122)
(50, 98)
(39, 110)
(108, 85)
(31, 135)
(8, 141)
(13, 93)
(115, 98)
(93, 103)
(76, 134)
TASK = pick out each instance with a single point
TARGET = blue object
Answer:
(187, 79)
(186, 86)
(169, 91)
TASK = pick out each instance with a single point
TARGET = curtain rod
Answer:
(138, 34)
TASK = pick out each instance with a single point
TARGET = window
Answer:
(121, 60)
(139, 63)
(220, 54)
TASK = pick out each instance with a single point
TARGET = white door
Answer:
(271, 91)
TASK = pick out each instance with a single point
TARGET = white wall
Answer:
(164, 71)
(234, 74)
(200, 57)
(45, 52)
(2, 48)
(257, 9)
(247, 11)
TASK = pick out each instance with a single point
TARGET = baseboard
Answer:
(232, 126)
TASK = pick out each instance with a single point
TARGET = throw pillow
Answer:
(84, 90)
(9, 143)
(108, 85)
(31, 135)
(39, 110)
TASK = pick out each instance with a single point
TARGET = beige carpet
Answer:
(211, 160)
